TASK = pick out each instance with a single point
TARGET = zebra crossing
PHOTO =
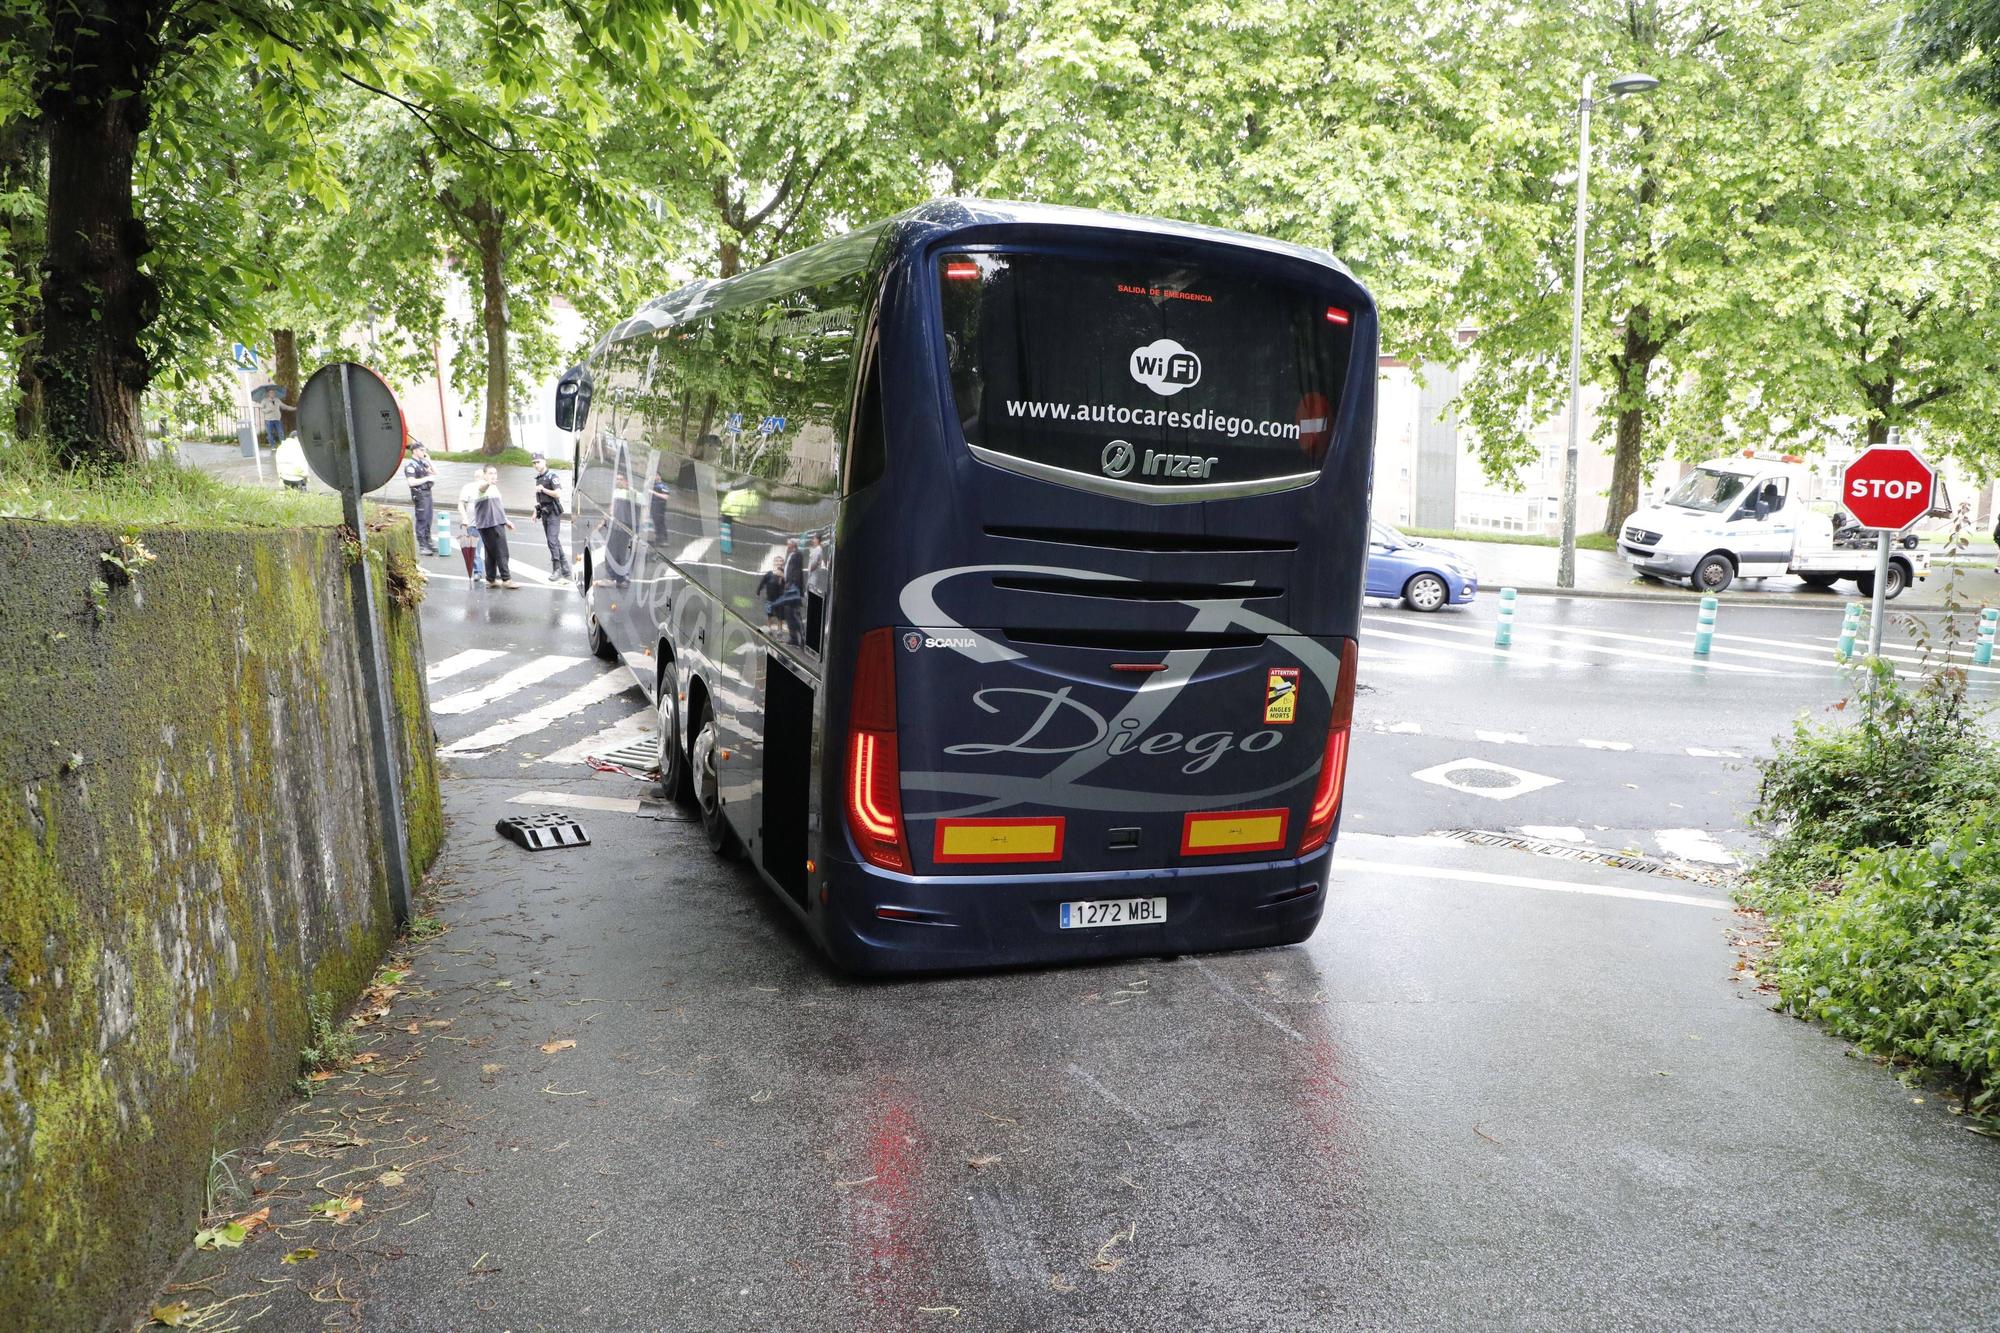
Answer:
(1431, 645)
(541, 708)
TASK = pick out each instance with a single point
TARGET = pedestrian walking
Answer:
(549, 513)
(489, 515)
(816, 566)
(468, 529)
(271, 408)
(780, 599)
(422, 476)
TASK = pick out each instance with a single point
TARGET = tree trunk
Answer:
(285, 374)
(96, 303)
(729, 262)
(1628, 463)
(493, 293)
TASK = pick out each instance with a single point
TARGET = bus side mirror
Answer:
(572, 399)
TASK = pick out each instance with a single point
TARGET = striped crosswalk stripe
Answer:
(602, 687)
(461, 662)
(1546, 640)
(636, 727)
(520, 678)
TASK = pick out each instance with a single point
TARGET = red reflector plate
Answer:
(1214, 833)
(959, 840)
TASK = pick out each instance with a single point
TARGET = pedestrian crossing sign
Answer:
(1281, 695)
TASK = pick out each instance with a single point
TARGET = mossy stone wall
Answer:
(188, 850)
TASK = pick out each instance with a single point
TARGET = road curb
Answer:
(1690, 597)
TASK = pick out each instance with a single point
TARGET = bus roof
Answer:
(864, 247)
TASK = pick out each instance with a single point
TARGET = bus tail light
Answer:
(874, 777)
(1333, 766)
(1335, 315)
(959, 270)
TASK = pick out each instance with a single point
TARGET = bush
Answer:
(1912, 766)
(1882, 880)
(1905, 959)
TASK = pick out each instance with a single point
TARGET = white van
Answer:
(1745, 517)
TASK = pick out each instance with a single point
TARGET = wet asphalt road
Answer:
(1495, 1090)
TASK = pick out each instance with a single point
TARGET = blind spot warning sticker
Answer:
(1281, 695)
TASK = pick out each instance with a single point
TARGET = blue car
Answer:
(1424, 577)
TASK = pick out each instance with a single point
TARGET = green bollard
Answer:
(1989, 621)
(1704, 627)
(1849, 629)
(1503, 629)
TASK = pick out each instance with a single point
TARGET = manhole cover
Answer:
(1481, 777)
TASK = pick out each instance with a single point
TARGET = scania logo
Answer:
(912, 641)
(1118, 458)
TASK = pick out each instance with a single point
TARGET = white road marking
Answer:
(1696, 752)
(1554, 832)
(1402, 729)
(1547, 637)
(1229, 992)
(1502, 737)
(606, 685)
(1589, 744)
(458, 662)
(621, 733)
(1523, 781)
(1693, 844)
(1491, 654)
(520, 678)
(621, 805)
(1525, 882)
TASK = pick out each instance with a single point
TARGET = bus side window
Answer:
(867, 450)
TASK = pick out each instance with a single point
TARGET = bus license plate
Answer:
(1114, 912)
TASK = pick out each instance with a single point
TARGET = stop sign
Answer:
(1888, 487)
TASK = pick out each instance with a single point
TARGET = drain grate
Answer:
(1564, 851)
(642, 754)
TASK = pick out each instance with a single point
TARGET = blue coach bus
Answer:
(996, 572)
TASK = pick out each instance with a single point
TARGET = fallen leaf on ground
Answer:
(551, 1047)
(321, 1075)
(978, 1163)
(365, 1058)
(437, 1022)
(262, 1169)
(491, 1069)
(173, 1316)
(339, 1209)
(251, 1221)
(390, 1178)
(300, 1255)
(228, 1236)
(411, 1028)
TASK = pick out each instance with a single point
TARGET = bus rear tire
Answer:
(675, 780)
(708, 792)
(600, 642)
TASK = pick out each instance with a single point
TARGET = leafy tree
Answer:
(1963, 37)
(99, 68)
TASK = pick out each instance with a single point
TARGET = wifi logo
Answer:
(1166, 367)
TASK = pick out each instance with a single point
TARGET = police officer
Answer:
(548, 510)
(422, 476)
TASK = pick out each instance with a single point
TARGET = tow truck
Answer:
(1744, 516)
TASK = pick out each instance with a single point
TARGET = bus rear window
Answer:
(1161, 373)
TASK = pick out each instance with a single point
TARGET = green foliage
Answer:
(148, 495)
(1905, 957)
(510, 457)
(1912, 764)
(329, 1040)
(1882, 882)
(1585, 541)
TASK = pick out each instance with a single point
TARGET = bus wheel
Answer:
(708, 792)
(674, 777)
(600, 642)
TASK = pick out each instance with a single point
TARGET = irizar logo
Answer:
(1118, 458)
(1178, 465)
(1166, 367)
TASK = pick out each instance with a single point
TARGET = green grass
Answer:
(155, 494)
(1587, 541)
(510, 457)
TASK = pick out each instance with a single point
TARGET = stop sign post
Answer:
(1887, 488)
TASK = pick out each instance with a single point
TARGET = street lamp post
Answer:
(1621, 86)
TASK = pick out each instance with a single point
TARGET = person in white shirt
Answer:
(290, 462)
